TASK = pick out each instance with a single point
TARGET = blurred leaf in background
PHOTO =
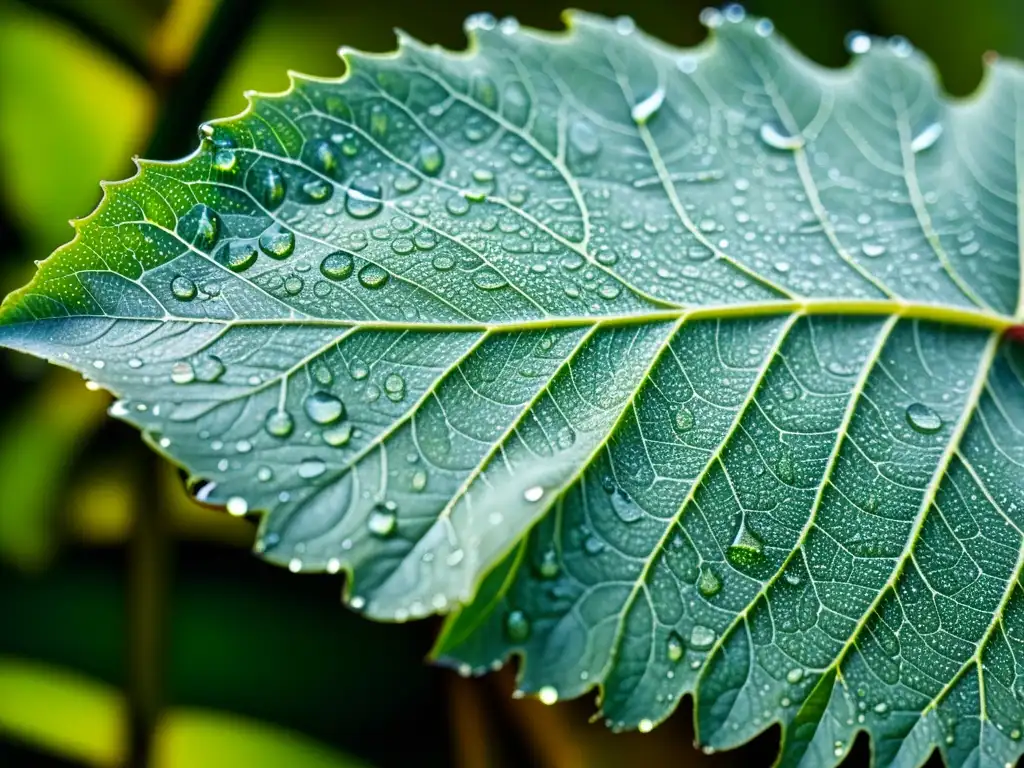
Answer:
(260, 667)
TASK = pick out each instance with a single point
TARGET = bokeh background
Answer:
(135, 627)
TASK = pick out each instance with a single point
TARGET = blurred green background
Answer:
(135, 627)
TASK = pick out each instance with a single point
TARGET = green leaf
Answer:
(673, 372)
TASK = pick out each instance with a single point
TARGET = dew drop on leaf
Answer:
(310, 468)
(224, 160)
(264, 474)
(548, 567)
(675, 647)
(419, 480)
(183, 288)
(684, 419)
(394, 387)
(548, 695)
(337, 265)
(923, 419)
(324, 408)
(701, 637)
(746, 549)
(709, 584)
(517, 626)
(533, 494)
(270, 186)
(382, 522)
(338, 436)
(794, 676)
(277, 243)
(627, 510)
(237, 506)
(236, 256)
(363, 200)
(488, 280)
(371, 276)
(279, 423)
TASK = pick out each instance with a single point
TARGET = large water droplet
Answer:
(923, 419)
(777, 138)
(382, 521)
(701, 637)
(746, 549)
(371, 276)
(277, 243)
(183, 288)
(279, 423)
(182, 372)
(324, 157)
(584, 138)
(324, 408)
(200, 226)
(236, 256)
(517, 626)
(337, 265)
(317, 191)
(224, 160)
(364, 200)
(430, 159)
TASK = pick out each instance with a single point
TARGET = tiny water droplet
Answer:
(746, 549)
(923, 419)
(533, 494)
(517, 626)
(549, 567)
(324, 408)
(488, 280)
(394, 387)
(419, 480)
(794, 676)
(382, 522)
(675, 647)
(684, 419)
(430, 159)
(270, 186)
(873, 250)
(645, 726)
(858, 43)
(338, 436)
(264, 474)
(224, 160)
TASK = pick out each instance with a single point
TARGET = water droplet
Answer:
(382, 522)
(549, 567)
(926, 138)
(644, 110)
(746, 549)
(684, 419)
(774, 136)
(533, 494)
(488, 280)
(270, 186)
(645, 726)
(764, 27)
(923, 419)
(443, 262)
(358, 369)
(264, 474)
(785, 470)
(873, 250)
(337, 265)
(794, 676)
(419, 480)
(279, 423)
(293, 285)
(237, 506)
(224, 160)
(338, 436)
(200, 226)
(371, 276)
(675, 647)
(881, 707)
(183, 288)
(324, 157)
(548, 695)
(277, 243)
(182, 372)
(627, 510)
(430, 158)
(517, 626)
(425, 239)
(317, 191)
(310, 468)
(701, 637)
(236, 256)
(324, 408)
(364, 200)
(858, 43)
(394, 387)
(709, 584)
(584, 138)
